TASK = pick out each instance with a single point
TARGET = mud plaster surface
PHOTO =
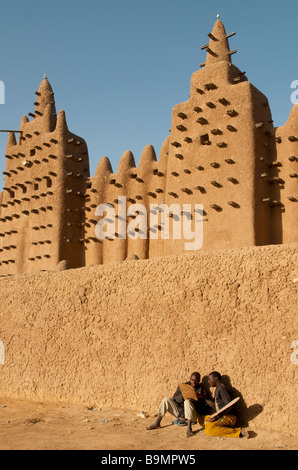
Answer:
(26, 425)
(124, 335)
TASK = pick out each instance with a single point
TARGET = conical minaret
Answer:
(45, 104)
(218, 48)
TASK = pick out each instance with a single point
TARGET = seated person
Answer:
(222, 424)
(186, 411)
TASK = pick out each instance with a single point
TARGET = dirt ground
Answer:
(26, 425)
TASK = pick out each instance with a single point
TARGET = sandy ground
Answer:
(26, 425)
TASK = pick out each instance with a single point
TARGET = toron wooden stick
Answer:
(231, 403)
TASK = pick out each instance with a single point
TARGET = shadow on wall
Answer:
(244, 413)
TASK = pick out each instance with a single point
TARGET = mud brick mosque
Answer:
(223, 151)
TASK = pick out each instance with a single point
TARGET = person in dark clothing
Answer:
(224, 423)
(186, 411)
(201, 406)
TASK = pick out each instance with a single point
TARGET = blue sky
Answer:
(118, 67)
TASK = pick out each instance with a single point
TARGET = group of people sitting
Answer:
(188, 411)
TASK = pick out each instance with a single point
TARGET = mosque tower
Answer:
(221, 141)
(42, 203)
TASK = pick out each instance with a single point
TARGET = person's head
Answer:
(195, 379)
(214, 378)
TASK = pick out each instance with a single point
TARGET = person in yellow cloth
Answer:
(224, 423)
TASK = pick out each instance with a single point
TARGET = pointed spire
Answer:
(24, 121)
(61, 125)
(103, 168)
(126, 162)
(11, 139)
(45, 97)
(218, 49)
(291, 124)
(148, 156)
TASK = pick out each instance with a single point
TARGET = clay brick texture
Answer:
(125, 334)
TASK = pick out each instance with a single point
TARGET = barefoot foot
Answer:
(153, 426)
(244, 433)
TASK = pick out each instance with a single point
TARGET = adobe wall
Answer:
(125, 334)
